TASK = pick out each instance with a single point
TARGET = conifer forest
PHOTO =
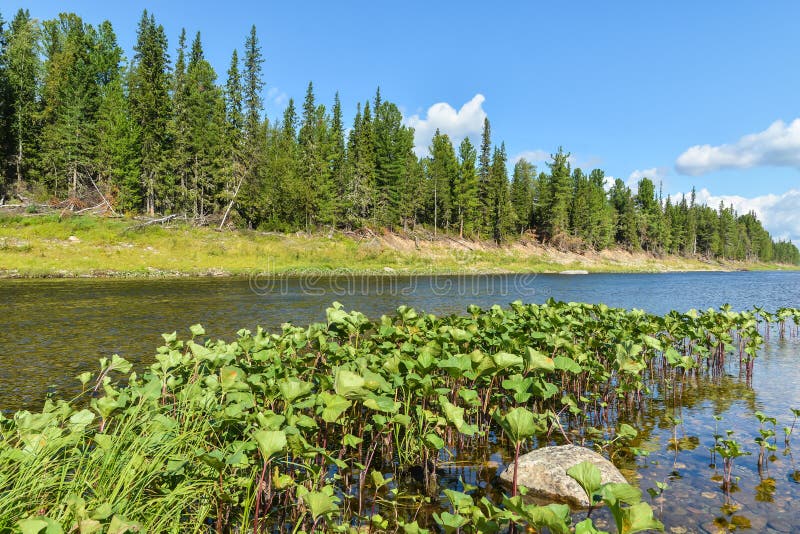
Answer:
(162, 133)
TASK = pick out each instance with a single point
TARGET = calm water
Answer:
(53, 330)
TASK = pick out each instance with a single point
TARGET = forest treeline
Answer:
(154, 135)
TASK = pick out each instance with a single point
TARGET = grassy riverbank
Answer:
(49, 246)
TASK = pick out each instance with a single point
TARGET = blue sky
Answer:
(687, 93)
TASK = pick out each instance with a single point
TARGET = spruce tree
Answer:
(392, 142)
(338, 163)
(205, 112)
(180, 162)
(484, 167)
(22, 71)
(557, 196)
(442, 176)
(150, 108)
(465, 192)
(234, 134)
(503, 218)
(312, 191)
(522, 194)
(70, 99)
(254, 190)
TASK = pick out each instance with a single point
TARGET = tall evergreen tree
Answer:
(522, 194)
(442, 176)
(556, 196)
(361, 163)
(22, 71)
(484, 167)
(313, 189)
(502, 210)
(626, 233)
(338, 162)
(465, 192)
(179, 128)
(234, 134)
(600, 232)
(393, 142)
(150, 108)
(253, 191)
(205, 111)
(70, 97)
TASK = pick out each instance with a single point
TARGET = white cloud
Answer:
(276, 96)
(778, 146)
(466, 122)
(541, 157)
(532, 156)
(656, 174)
(780, 214)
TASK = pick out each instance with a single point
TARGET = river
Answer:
(52, 330)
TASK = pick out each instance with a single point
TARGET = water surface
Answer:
(54, 329)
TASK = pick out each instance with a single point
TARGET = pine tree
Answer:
(621, 199)
(22, 71)
(70, 100)
(502, 210)
(484, 167)
(393, 142)
(205, 112)
(253, 61)
(361, 163)
(253, 190)
(234, 133)
(601, 214)
(118, 150)
(179, 128)
(465, 192)
(150, 108)
(337, 163)
(442, 176)
(5, 111)
(522, 194)
(313, 189)
(557, 196)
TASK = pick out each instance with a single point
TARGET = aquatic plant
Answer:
(327, 427)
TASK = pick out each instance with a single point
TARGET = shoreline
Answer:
(86, 247)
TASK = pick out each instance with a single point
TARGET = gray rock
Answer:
(574, 271)
(544, 473)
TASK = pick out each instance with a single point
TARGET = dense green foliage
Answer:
(319, 428)
(77, 119)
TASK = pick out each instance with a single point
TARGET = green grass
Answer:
(40, 246)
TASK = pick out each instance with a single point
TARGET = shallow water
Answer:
(54, 329)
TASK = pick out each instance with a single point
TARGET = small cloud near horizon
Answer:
(458, 124)
(777, 146)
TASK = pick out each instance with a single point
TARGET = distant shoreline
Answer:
(38, 247)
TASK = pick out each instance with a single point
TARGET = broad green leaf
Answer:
(555, 517)
(587, 527)
(197, 330)
(433, 441)
(519, 423)
(293, 388)
(562, 363)
(120, 525)
(320, 503)
(348, 384)
(270, 442)
(535, 360)
(638, 518)
(587, 475)
(504, 360)
(333, 406)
